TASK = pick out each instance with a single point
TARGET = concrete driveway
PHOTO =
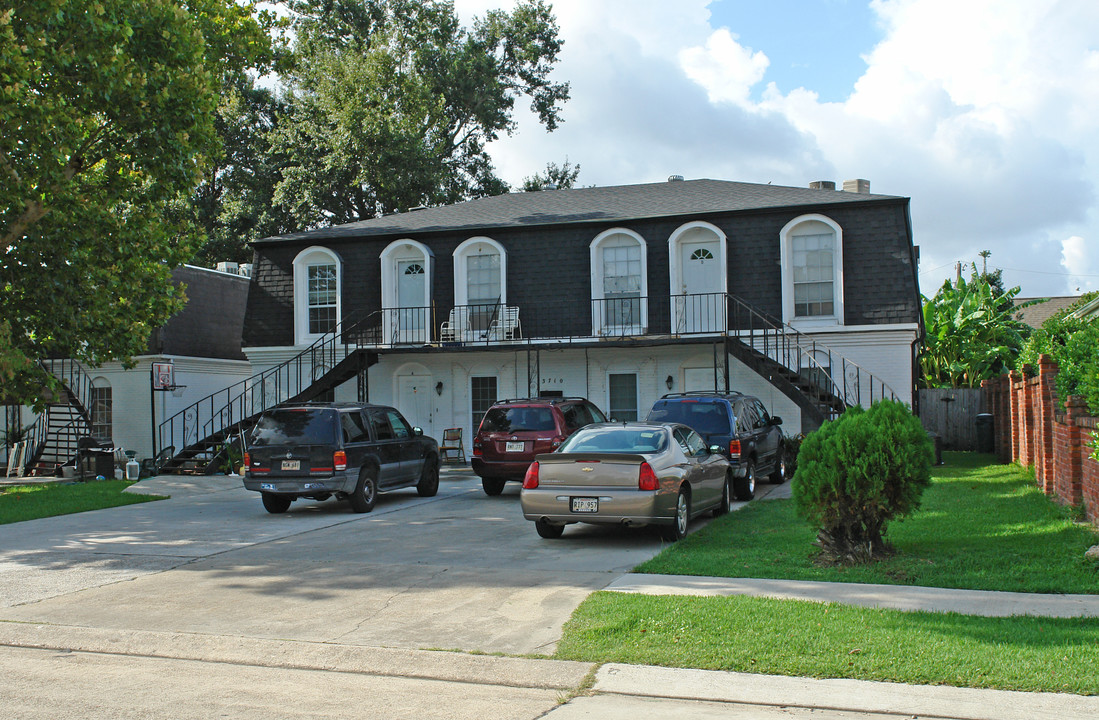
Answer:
(457, 571)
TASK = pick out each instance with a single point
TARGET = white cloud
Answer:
(1081, 260)
(727, 69)
(984, 112)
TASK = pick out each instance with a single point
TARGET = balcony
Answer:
(625, 316)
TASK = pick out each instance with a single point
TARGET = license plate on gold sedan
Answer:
(584, 504)
(291, 464)
(514, 447)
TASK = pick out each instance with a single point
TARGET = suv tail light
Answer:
(247, 460)
(646, 479)
(530, 480)
(477, 446)
(734, 449)
(339, 459)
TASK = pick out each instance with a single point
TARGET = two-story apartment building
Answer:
(618, 294)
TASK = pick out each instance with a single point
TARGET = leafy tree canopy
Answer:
(971, 333)
(106, 116)
(391, 103)
(560, 176)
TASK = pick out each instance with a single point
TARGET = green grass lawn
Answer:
(29, 502)
(786, 637)
(980, 526)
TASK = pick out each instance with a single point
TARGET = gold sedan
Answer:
(632, 474)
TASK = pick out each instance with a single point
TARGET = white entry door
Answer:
(414, 401)
(411, 291)
(701, 307)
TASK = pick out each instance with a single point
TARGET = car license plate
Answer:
(585, 505)
(267, 486)
(291, 464)
(514, 447)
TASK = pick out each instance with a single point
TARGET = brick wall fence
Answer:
(1042, 432)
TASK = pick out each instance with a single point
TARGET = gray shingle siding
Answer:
(549, 263)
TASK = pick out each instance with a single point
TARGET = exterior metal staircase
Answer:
(795, 365)
(53, 438)
(193, 440)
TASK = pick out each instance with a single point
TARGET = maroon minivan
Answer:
(514, 431)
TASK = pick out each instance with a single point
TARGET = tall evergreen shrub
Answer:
(857, 473)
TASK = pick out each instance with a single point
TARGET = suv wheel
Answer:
(365, 493)
(429, 479)
(746, 486)
(678, 529)
(778, 475)
(493, 486)
(275, 504)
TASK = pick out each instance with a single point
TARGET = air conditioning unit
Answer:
(245, 270)
(228, 267)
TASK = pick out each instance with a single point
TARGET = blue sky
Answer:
(800, 38)
(989, 122)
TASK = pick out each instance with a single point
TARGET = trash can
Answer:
(94, 458)
(985, 442)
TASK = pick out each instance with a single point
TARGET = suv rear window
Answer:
(705, 417)
(516, 419)
(295, 427)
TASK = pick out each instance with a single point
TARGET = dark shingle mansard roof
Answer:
(582, 205)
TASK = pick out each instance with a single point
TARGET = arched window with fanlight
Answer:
(406, 292)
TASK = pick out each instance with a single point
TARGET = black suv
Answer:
(350, 450)
(514, 431)
(738, 425)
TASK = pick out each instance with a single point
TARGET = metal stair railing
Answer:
(187, 429)
(802, 355)
(78, 387)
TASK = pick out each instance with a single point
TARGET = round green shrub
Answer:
(857, 473)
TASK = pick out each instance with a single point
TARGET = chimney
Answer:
(857, 186)
(822, 185)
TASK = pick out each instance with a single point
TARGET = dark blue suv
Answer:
(738, 425)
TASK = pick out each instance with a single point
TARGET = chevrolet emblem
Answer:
(587, 469)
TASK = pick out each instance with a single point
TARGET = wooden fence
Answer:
(952, 414)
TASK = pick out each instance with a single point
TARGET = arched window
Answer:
(102, 409)
(480, 283)
(619, 283)
(316, 293)
(811, 249)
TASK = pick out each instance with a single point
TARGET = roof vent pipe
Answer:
(857, 186)
(822, 185)
(675, 178)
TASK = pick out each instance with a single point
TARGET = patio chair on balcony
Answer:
(506, 326)
(456, 328)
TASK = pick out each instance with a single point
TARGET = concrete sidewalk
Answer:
(893, 597)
